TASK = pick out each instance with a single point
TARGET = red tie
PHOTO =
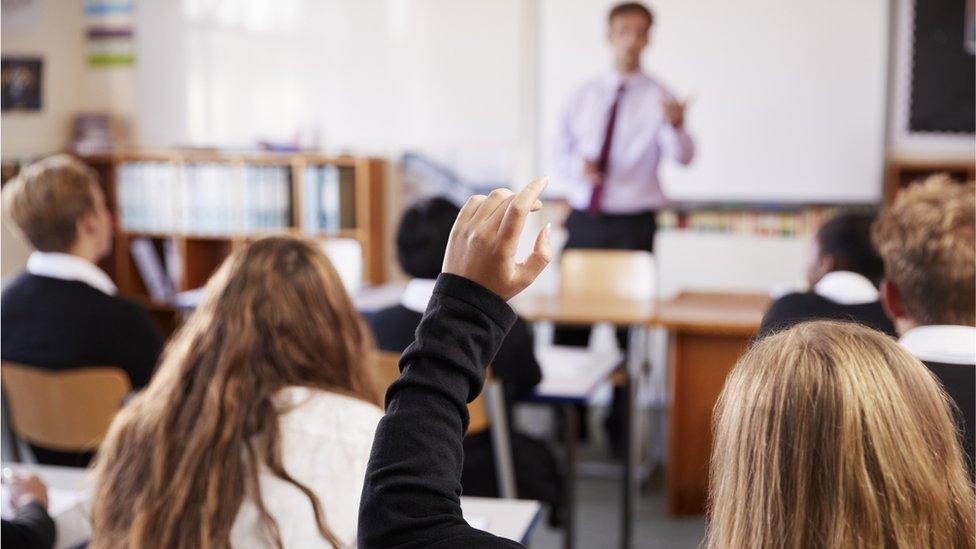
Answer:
(603, 161)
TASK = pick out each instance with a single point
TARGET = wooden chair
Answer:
(486, 410)
(68, 411)
(386, 370)
(608, 274)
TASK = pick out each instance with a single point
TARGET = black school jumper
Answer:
(959, 381)
(413, 480)
(58, 325)
(32, 528)
(800, 307)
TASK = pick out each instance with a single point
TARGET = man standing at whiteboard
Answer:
(615, 131)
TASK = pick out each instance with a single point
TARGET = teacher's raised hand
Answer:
(485, 238)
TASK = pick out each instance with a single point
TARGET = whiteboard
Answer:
(788, 96)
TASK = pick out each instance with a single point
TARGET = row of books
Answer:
(205, 198)
(328, 199)
(803, 222)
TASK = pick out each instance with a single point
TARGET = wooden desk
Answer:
(69, 505)
(708, 333)
(636, 314)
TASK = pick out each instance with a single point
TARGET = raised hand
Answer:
(674, 111)
(485, 238)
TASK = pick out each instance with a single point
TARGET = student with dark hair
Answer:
(844, 278)
(63, 312)
(421, 241)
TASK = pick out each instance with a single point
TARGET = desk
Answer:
(708, 333)
(68, 504)
(635, 313)
(513, 519)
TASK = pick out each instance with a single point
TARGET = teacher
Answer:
(612, 137)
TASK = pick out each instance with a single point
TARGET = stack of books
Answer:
(203, 198)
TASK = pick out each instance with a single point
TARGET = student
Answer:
(927, 241)
(843, 277)
(421, 240)
(257, 427)
(63, 312)
(410, 497)
(831, 435)
(31, 526)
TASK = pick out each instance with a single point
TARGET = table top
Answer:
(507, 518)
(512, 519)
(572, 374)
(583, 310)
(722, 312)
(713, 312)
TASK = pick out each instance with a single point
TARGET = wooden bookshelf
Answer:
(202, 252)
(903, 172)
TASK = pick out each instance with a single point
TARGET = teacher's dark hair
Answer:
(422, 236)
(631, 7)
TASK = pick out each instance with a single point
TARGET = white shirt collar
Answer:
(417, 294)
(614, 79)
(70, 267)
(846, 288)
(942, 343)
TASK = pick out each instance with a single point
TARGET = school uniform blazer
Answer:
(949, 352)
(839, 295)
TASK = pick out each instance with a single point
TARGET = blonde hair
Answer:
(829, 434)
(927, 240)
(48, 197)
(179, 460)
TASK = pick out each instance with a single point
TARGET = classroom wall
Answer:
(54, 32)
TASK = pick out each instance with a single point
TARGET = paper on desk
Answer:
(478, 521)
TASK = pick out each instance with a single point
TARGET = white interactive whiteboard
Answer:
(788, 96)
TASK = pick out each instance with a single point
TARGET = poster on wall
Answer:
(108, 33)
(21, 83)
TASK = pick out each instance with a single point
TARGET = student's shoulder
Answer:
(311, 410)
(797, 299)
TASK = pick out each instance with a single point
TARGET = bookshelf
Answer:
(201, 206)
(902, 172)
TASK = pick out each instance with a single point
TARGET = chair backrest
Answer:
(70, 410)
(608, 274)
(387, 370)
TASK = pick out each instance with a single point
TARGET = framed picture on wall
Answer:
(21, 83)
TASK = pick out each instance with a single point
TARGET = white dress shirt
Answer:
(942, 343)
(642, 136)
(70, 267)
(325, 443)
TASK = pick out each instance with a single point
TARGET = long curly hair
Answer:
(178, 461)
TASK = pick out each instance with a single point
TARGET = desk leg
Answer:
(698, 367)
(571, 433)
(635, 356)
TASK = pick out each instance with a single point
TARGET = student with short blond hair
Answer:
(830, 434)
(927, 240)
(63, 312)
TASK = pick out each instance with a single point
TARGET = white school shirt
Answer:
(846, 288)
(642, 137)
(325, 444)
(941, 343)
(70, 267)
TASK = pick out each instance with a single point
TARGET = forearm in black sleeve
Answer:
(142, 347)
(33, 528)
(412, 487)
